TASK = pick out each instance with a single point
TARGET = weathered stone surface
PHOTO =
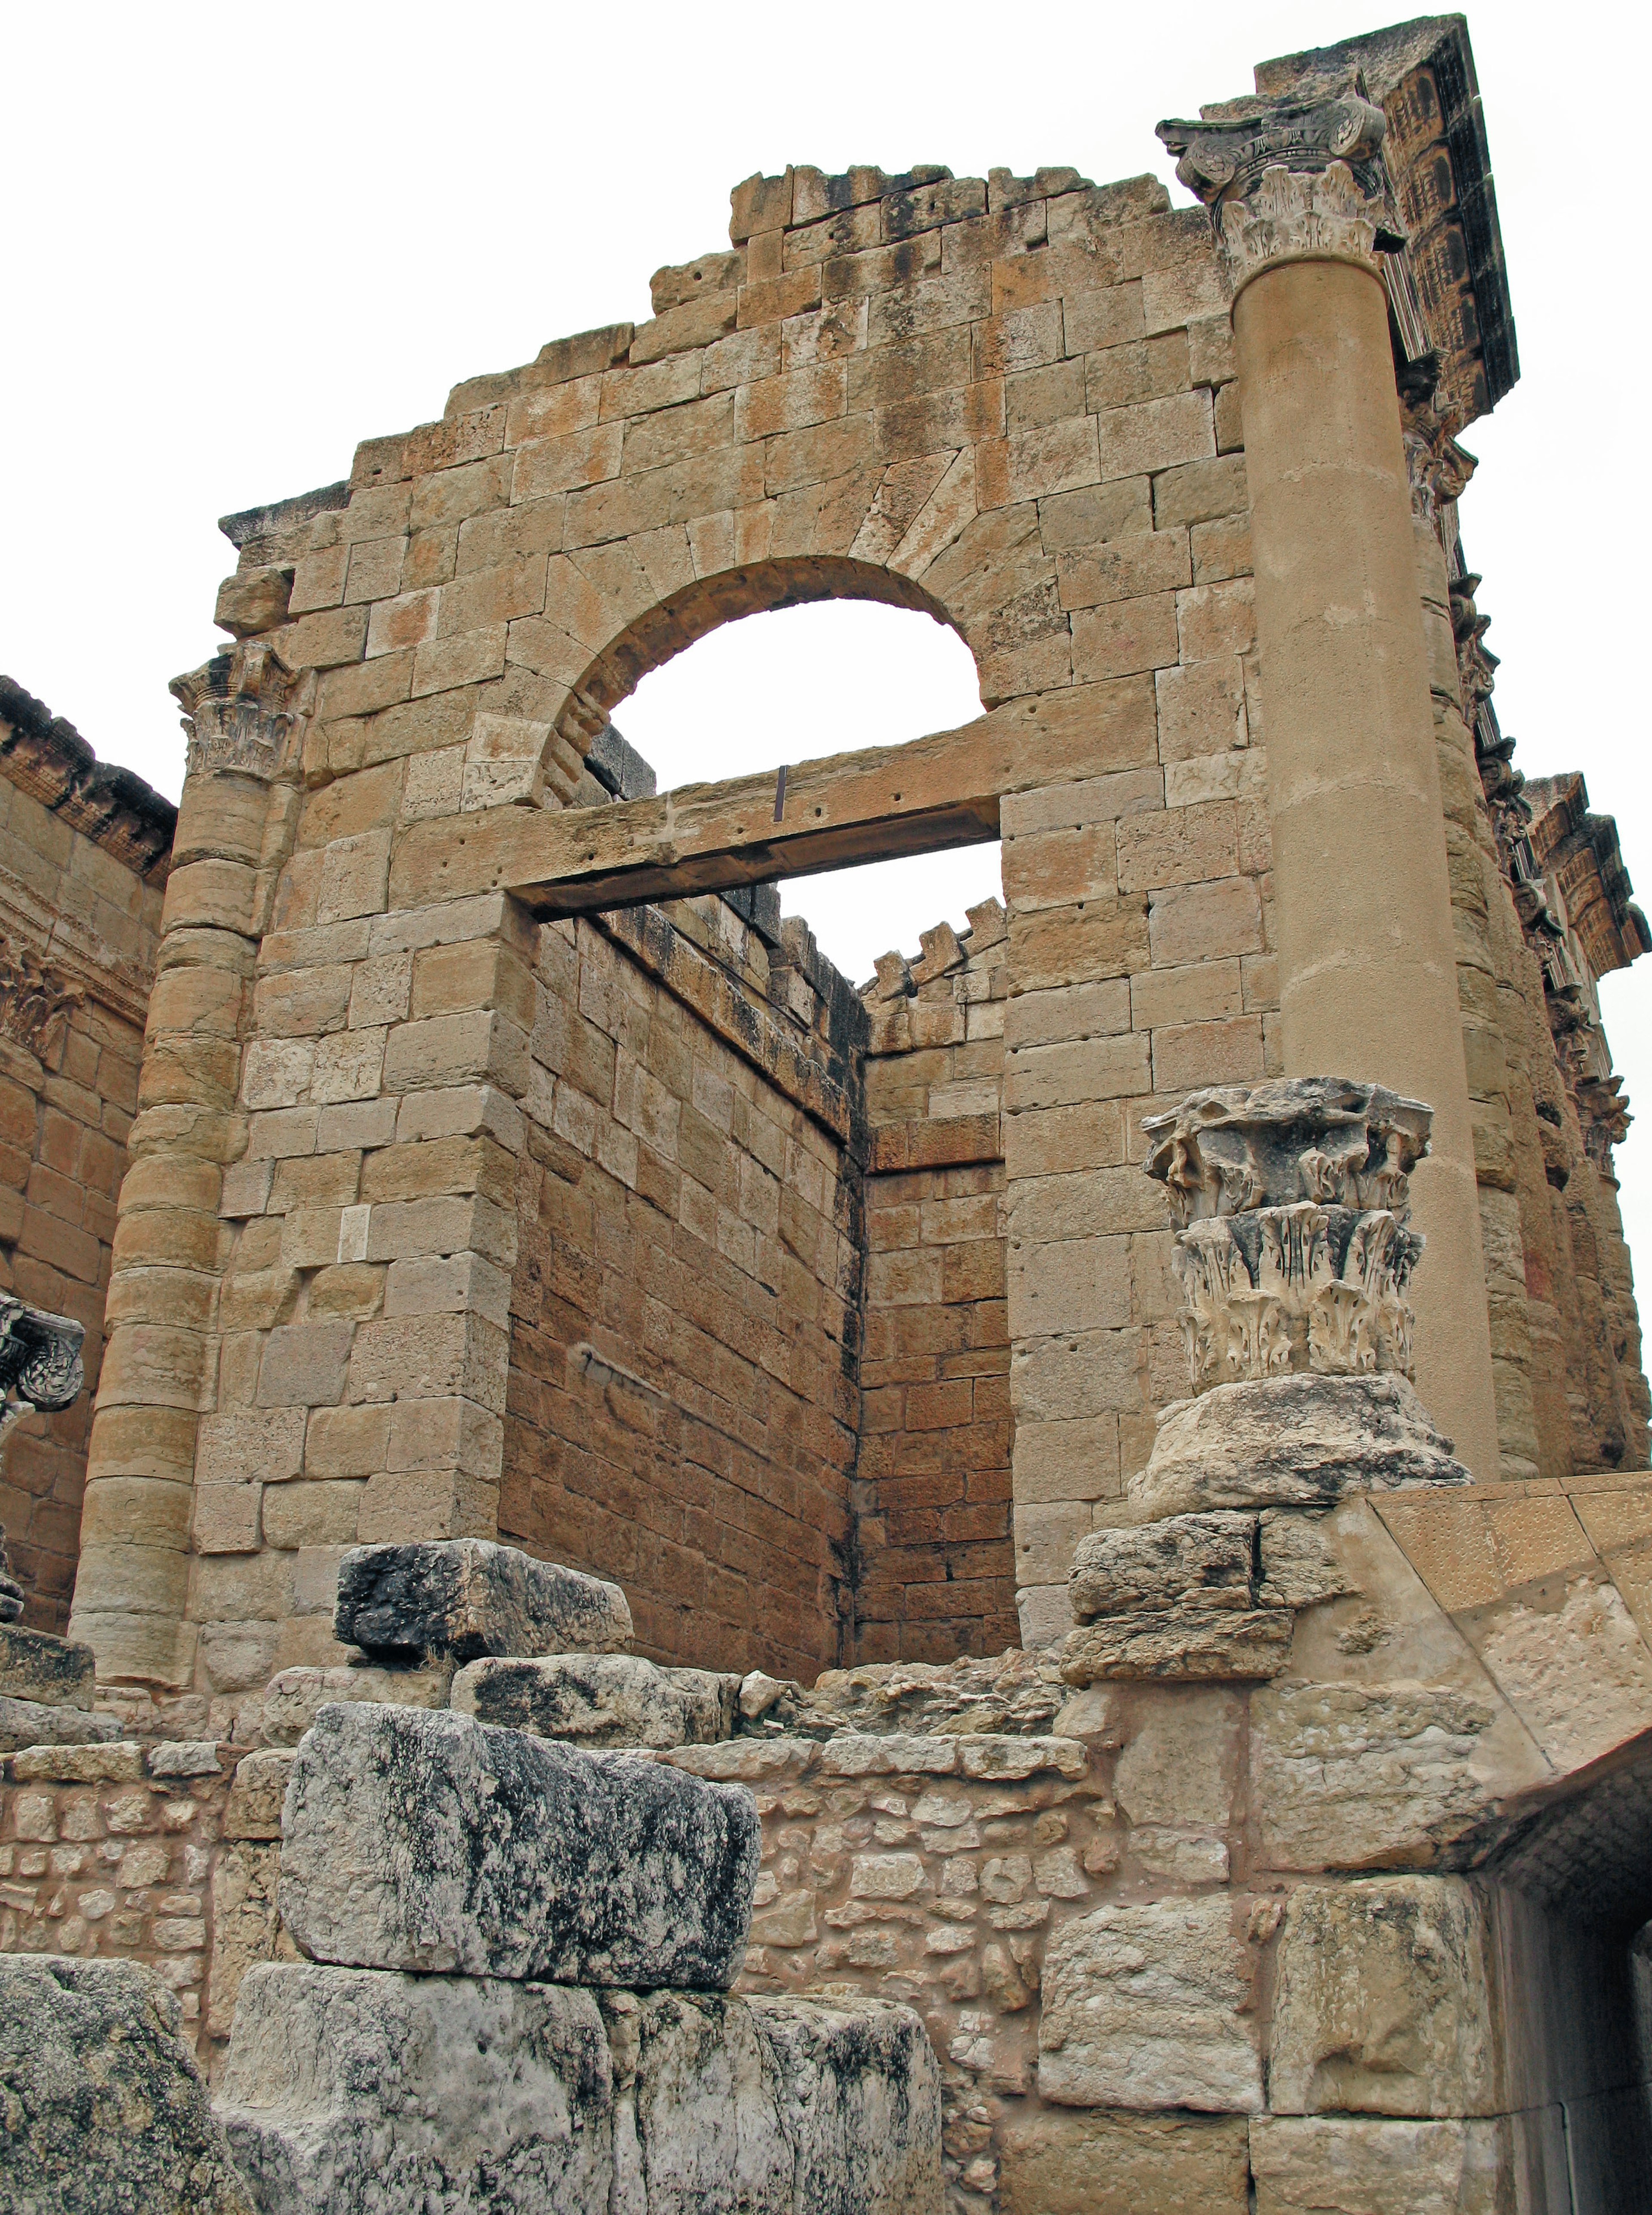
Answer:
(600, 1699)
(1297, 1566)
(431, 1841)
(29, 1722)
(253, 1809)
(1015, 1693)
(1347, 1775)
(33, 1666)
(360, 2089)
(246, 1925)
(1142, 2009)
(1183, 1561)
(1074, 2164)
(465, 1597)
(1292, 1441)
(294, 1698)
(103, 2110)
(1381, 2002)
(1187, 1642)
(780, 2107)
(1328, 2166)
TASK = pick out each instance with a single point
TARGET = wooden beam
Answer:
(933, 793)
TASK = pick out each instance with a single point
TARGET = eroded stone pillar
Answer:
(1366, 964)
(132, 1587)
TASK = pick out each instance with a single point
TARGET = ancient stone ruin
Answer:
(1023, 1589)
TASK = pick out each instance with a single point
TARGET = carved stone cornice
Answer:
(239, 712)
(1291, 1205)
(36, 1000)
(41, 1363)
(1290, 180)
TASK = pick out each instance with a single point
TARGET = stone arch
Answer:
(681, 619)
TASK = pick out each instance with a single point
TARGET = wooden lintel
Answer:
(932, 794)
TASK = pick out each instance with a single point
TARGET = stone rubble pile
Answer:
(520, 1949)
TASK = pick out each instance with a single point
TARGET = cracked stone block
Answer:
(1180, 1643)
(294, 1698)
(1186, 1560)
(358, 2090)
(30, 1723)
(466, 1596)
(34, 1666)
(369, 2092)
(600, 1699)
(1380, 2003)
(1292, 1441)
(1146, 2007)
(104, 2109)
(427, 1840)
(777, 2105)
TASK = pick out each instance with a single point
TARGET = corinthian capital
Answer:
(1290, 180)
(238, 711)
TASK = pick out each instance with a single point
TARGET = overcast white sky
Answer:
(238, 240)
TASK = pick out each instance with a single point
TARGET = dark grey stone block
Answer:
(466, 1596)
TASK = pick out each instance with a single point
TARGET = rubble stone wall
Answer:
(83, 865)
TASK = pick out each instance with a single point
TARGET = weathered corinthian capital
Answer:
(39, 1361)
(1292, 1203)
(1290, 180)
(238, 711)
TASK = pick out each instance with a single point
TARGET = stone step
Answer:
(345, 2088)
(601, 1700)
(427, 1840)
(467, 1596)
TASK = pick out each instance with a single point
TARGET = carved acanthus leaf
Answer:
(1290, 180)
(238, 711)
(35, 1000)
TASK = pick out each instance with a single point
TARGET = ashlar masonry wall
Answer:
(84, 855)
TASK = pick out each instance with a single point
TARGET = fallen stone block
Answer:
(355, 2089)
(1147, 2007)
(601, 1700)
(30, 1723)
(294, 1698)
(104, 2109)
(1292, 1441)
(1187, 1644)
(418, 1840)
(34, 1666)
(465, 1598)
(780, 2107)
(359, 2089)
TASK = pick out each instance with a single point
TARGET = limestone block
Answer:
(431, 1841)
(254, 1807)
(1299, 1567)
(246, 1928)
(296, 1697)
(1292, 1441)
(1349, 1774)
(104, 2106)
(351, 2088)
(1184, 1642)
(31, 1723)
(1326, 2166)
(600, 1699)
(467, 1597)
(1184, 1561)
(1142, 2008)
(1381, 2001)
(780, 2107)
(1058, 2163)
(34, 1666)
(366, 2090)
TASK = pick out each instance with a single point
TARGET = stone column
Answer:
(1366, 964)
(132, 1587)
